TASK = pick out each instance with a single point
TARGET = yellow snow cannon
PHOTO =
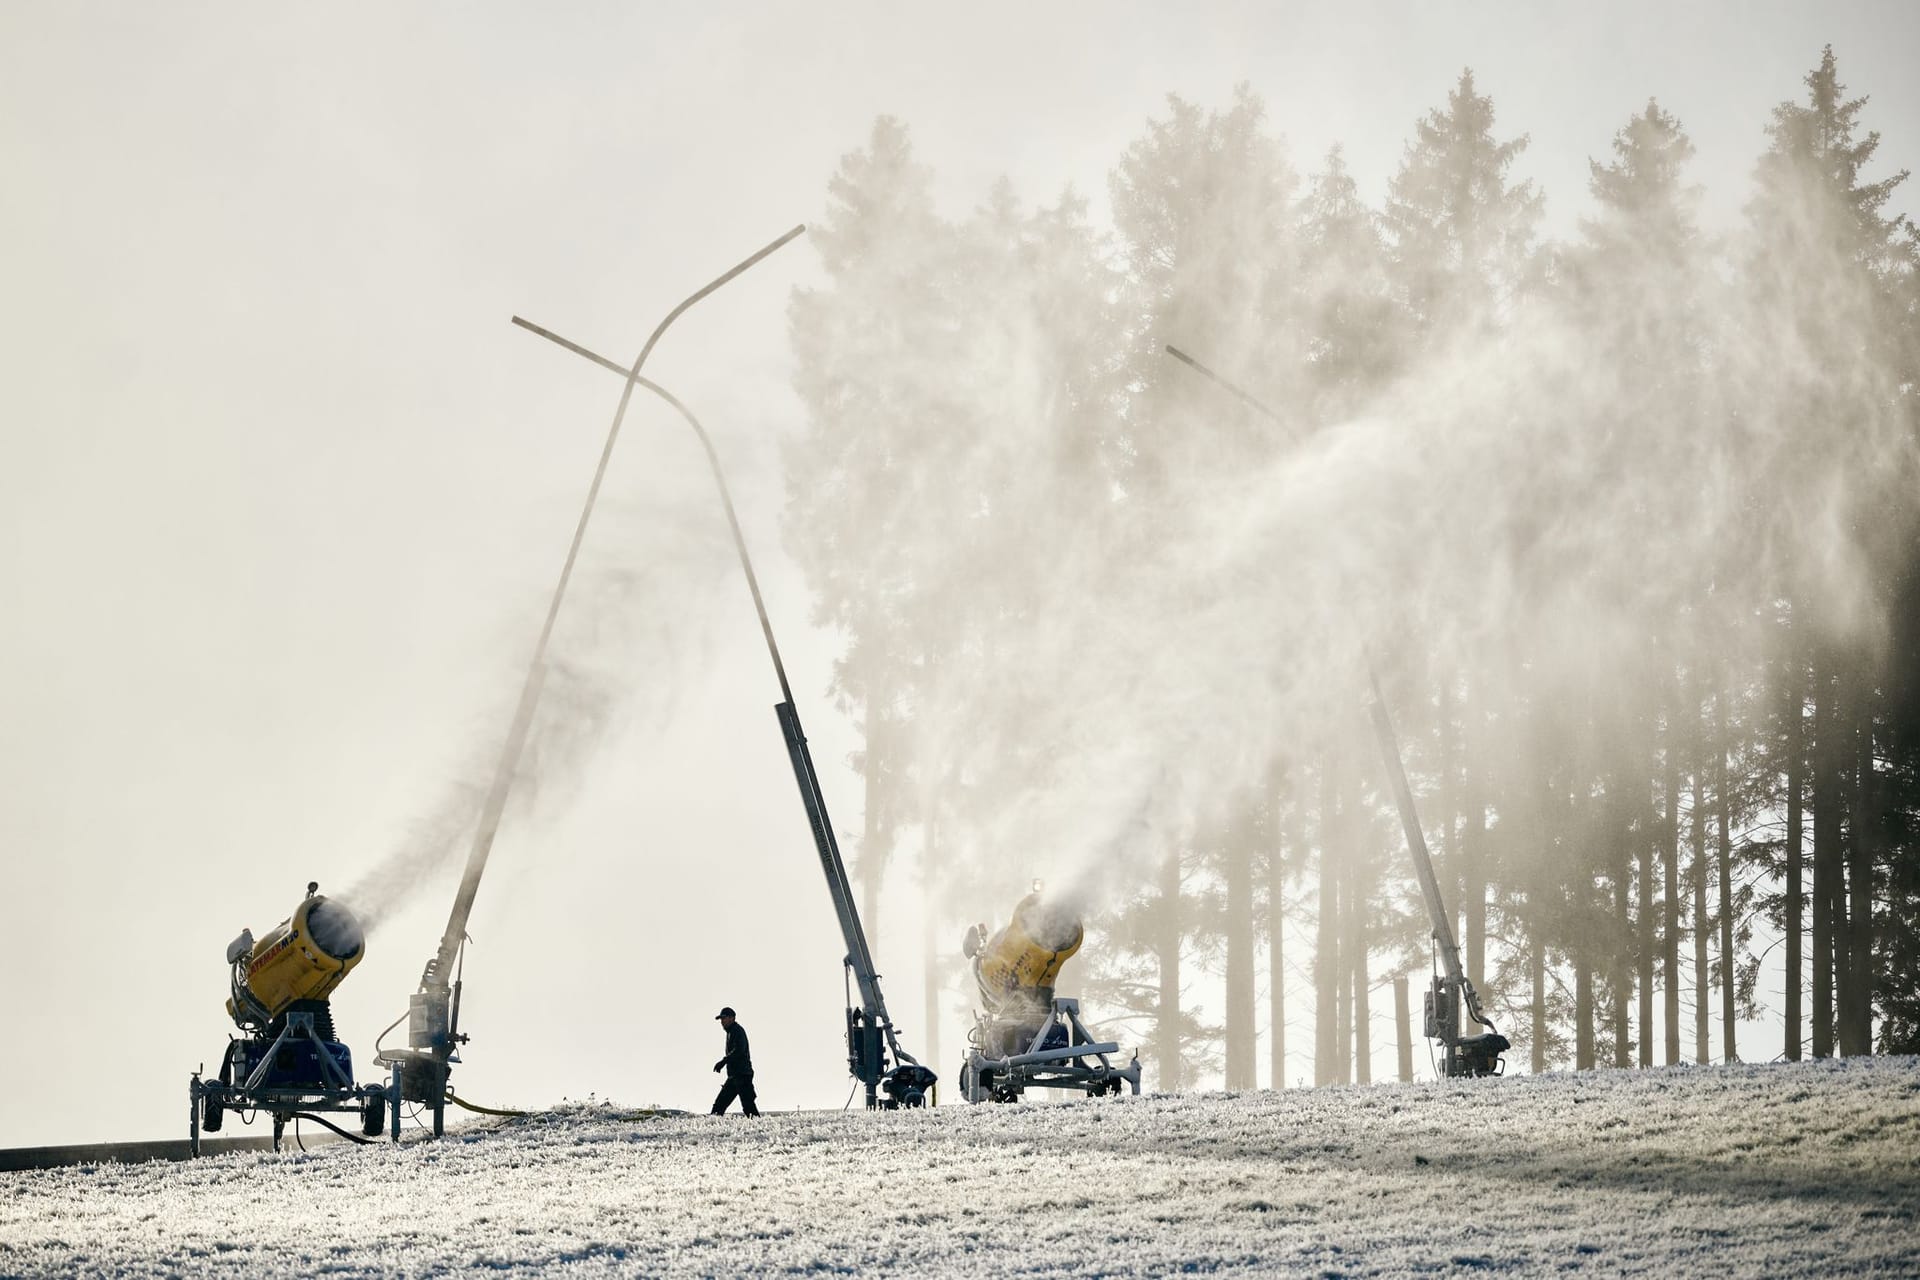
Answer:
(289, 1063)
(1025, 1036)
(304, 957)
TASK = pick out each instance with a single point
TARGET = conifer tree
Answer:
(861, 371)
(1825, 272)
(1460, 232)
(1205, 205)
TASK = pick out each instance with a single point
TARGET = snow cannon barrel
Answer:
(303, 958)
(1016, 968)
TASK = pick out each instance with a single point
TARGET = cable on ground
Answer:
(459, 1101)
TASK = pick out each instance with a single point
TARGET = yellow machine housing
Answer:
(1025, 1037)
(1019, 965)
(303, 958)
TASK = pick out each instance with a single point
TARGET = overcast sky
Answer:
(282, 493)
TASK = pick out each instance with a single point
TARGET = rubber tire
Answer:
(212, 1114)
(373, 1114)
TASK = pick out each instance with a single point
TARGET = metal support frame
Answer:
(1004, 1078)
(338, 1094)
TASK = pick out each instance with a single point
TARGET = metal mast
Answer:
(870, 1031)
(434, 1010)
(1449, 995)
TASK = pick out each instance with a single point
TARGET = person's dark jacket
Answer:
(738, 1063)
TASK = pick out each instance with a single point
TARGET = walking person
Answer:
(738, 1064)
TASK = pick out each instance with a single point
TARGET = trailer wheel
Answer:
(211, 1112)
(373, 1112)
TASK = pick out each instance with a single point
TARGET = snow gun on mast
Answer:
(1452, 992)
(874, 1055)
(422, 1069)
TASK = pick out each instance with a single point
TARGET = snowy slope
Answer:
(1779, 1170)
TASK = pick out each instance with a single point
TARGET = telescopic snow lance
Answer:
(1452, 991)
(421, 1069)
(871, 1039)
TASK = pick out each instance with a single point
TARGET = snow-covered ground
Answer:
(1786, 1170)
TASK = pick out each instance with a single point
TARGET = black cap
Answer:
(726, 1011)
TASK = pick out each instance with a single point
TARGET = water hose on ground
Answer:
(320, 1120)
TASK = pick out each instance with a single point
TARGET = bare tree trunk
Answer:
(1856, 1025)
(1670, 931)
(1402, 1029)
(1287, 820)
(1702, 1010)
(1167, 1024)
(1648, 932)
(1357, 943)
(1343, 951)
(1326, 957)
(1794, 748)
(1343, 1024)
(1584, 1055)
(1723, 811)
(1241, 989)
(1826, 860)
(1618, 827)
(1537, 971)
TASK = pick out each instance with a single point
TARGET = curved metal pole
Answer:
(859, 955)
(496, 803)
(719, 479)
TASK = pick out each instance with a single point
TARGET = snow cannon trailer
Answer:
(286, 1060)
(1026, 1037)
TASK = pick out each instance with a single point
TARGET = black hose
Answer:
(384, 1034)
(319, 1120)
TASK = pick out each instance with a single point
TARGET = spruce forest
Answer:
(1624, 521)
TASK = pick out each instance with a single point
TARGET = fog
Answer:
(285, 494)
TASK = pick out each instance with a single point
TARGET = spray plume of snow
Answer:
(1530, 504)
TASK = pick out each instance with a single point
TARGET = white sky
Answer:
(282, 492)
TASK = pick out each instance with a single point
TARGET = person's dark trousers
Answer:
(741, 1089)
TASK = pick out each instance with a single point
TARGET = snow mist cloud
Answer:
(1103, 597)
